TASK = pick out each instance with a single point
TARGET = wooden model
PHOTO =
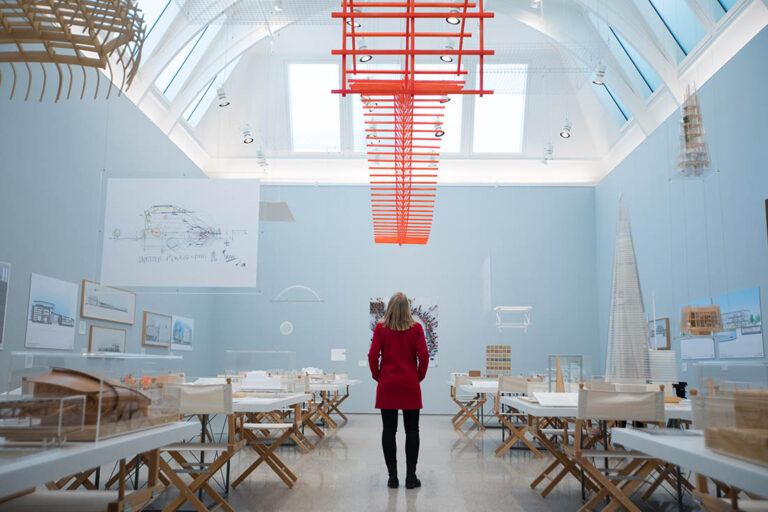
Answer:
(559, 383)
(66, 33)
(498, 360)
(693, 159)
(700, 321)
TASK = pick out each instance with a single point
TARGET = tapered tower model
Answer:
(693, 159)
(627, 359)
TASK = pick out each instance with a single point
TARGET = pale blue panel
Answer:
(681, 22)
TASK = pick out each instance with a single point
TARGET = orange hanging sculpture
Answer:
(404, 108)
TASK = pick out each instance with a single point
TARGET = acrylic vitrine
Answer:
(730, 375)
(88, 396)
(575, 368)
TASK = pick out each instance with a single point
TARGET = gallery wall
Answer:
(701, 238)
(520, 246)
(55, 162)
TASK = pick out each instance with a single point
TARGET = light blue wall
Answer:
(540, 242)
(53, 160)
(696, 239)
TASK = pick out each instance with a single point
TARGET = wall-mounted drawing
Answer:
(106, 339)
(297, 293)
(513, 317)
(156, 331)
(183, 333)
(52, 312)
(96, 34)
(659, 329)
(107, 303)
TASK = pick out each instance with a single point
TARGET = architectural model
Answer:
(693, 159)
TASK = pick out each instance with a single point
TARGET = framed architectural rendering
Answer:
(106, 339)
(183, 333)
(107, 303)
(660, 334)
(156, 331)
(51, 314)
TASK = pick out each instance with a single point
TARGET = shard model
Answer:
(693, 159)
(628, 337)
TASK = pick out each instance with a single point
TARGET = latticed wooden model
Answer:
(701, 321)
(71, 33)
(404, 106)
(693, 159)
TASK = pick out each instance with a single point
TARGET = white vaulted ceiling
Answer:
(546, 55)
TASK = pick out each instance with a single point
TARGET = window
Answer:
(449, 143)
(499, 117)
(727, 4)
(158, 16)
(175, 74)
(620, 112)
(202, 102)
(647, 73)
(315, 124)
(680, 22)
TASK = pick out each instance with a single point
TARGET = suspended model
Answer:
(404, 101)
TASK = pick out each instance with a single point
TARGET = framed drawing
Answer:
(51, 314)
(107, 339)
(183, 334)
(156, 331)
(107, 303)
(660, 334)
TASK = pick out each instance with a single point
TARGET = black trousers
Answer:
(388, 441)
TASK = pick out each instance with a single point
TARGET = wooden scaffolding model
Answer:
(693, 158)
(99, 34)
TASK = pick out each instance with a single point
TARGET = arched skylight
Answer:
(158, 16)
(500, 117)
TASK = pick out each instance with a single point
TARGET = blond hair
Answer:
(398, 314)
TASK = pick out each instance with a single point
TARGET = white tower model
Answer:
(628, 332)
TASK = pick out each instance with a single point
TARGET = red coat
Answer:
(403, 365)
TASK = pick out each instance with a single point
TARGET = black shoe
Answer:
(411, 482)
(393, 482)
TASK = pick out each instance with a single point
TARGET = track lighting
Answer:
(221, 94)
(362, 47)
(278, 5)
(452, 20)
(599, 77)
(261, 158)
(356, 23)
(450, 46)
(566, 131)
(247, 135)
(548, 151)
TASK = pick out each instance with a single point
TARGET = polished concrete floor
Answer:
(459, 471)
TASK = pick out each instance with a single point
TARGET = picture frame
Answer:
(107, 303)
(107, 339)
(183, 333)
(660, 339)
(156, 330)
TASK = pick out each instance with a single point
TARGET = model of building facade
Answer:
(701, 321)
(693, 159)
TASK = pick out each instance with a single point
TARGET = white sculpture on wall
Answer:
(628, 337)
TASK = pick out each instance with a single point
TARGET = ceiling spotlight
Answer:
(449, 45)
(548, 151)
(566, 131)
(221, 94)
(371, 135)
(247, 135)
(278, 5)
(452, 20)
(439, 132)
(261, 158)
(356, 23)
(362, 47)
(599, 77)
(445, 100)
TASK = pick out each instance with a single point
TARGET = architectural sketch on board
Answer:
(107, 303)
(51, 314)
(156, 330)
(183, 333)
(181, 233)
(742, 334)
(106, 339)
(424, 311)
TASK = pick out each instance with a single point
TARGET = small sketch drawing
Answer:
(171, 229)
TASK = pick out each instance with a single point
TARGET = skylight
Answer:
(173, 77)
(647, 73)
(612, 103)
(680, 22)
(499, 117)
(202, 102)
(315, 123)
(158, 16)
(727, 4)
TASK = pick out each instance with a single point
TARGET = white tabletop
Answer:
(267, 403)
(483, 386)
(688, 451)
(681, 411)
(336, 385)
(30, 470)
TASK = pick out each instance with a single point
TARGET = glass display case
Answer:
(274, 362)
(53, 396)
(730, 375)
(575, 368)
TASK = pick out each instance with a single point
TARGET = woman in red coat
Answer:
(398, 359)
